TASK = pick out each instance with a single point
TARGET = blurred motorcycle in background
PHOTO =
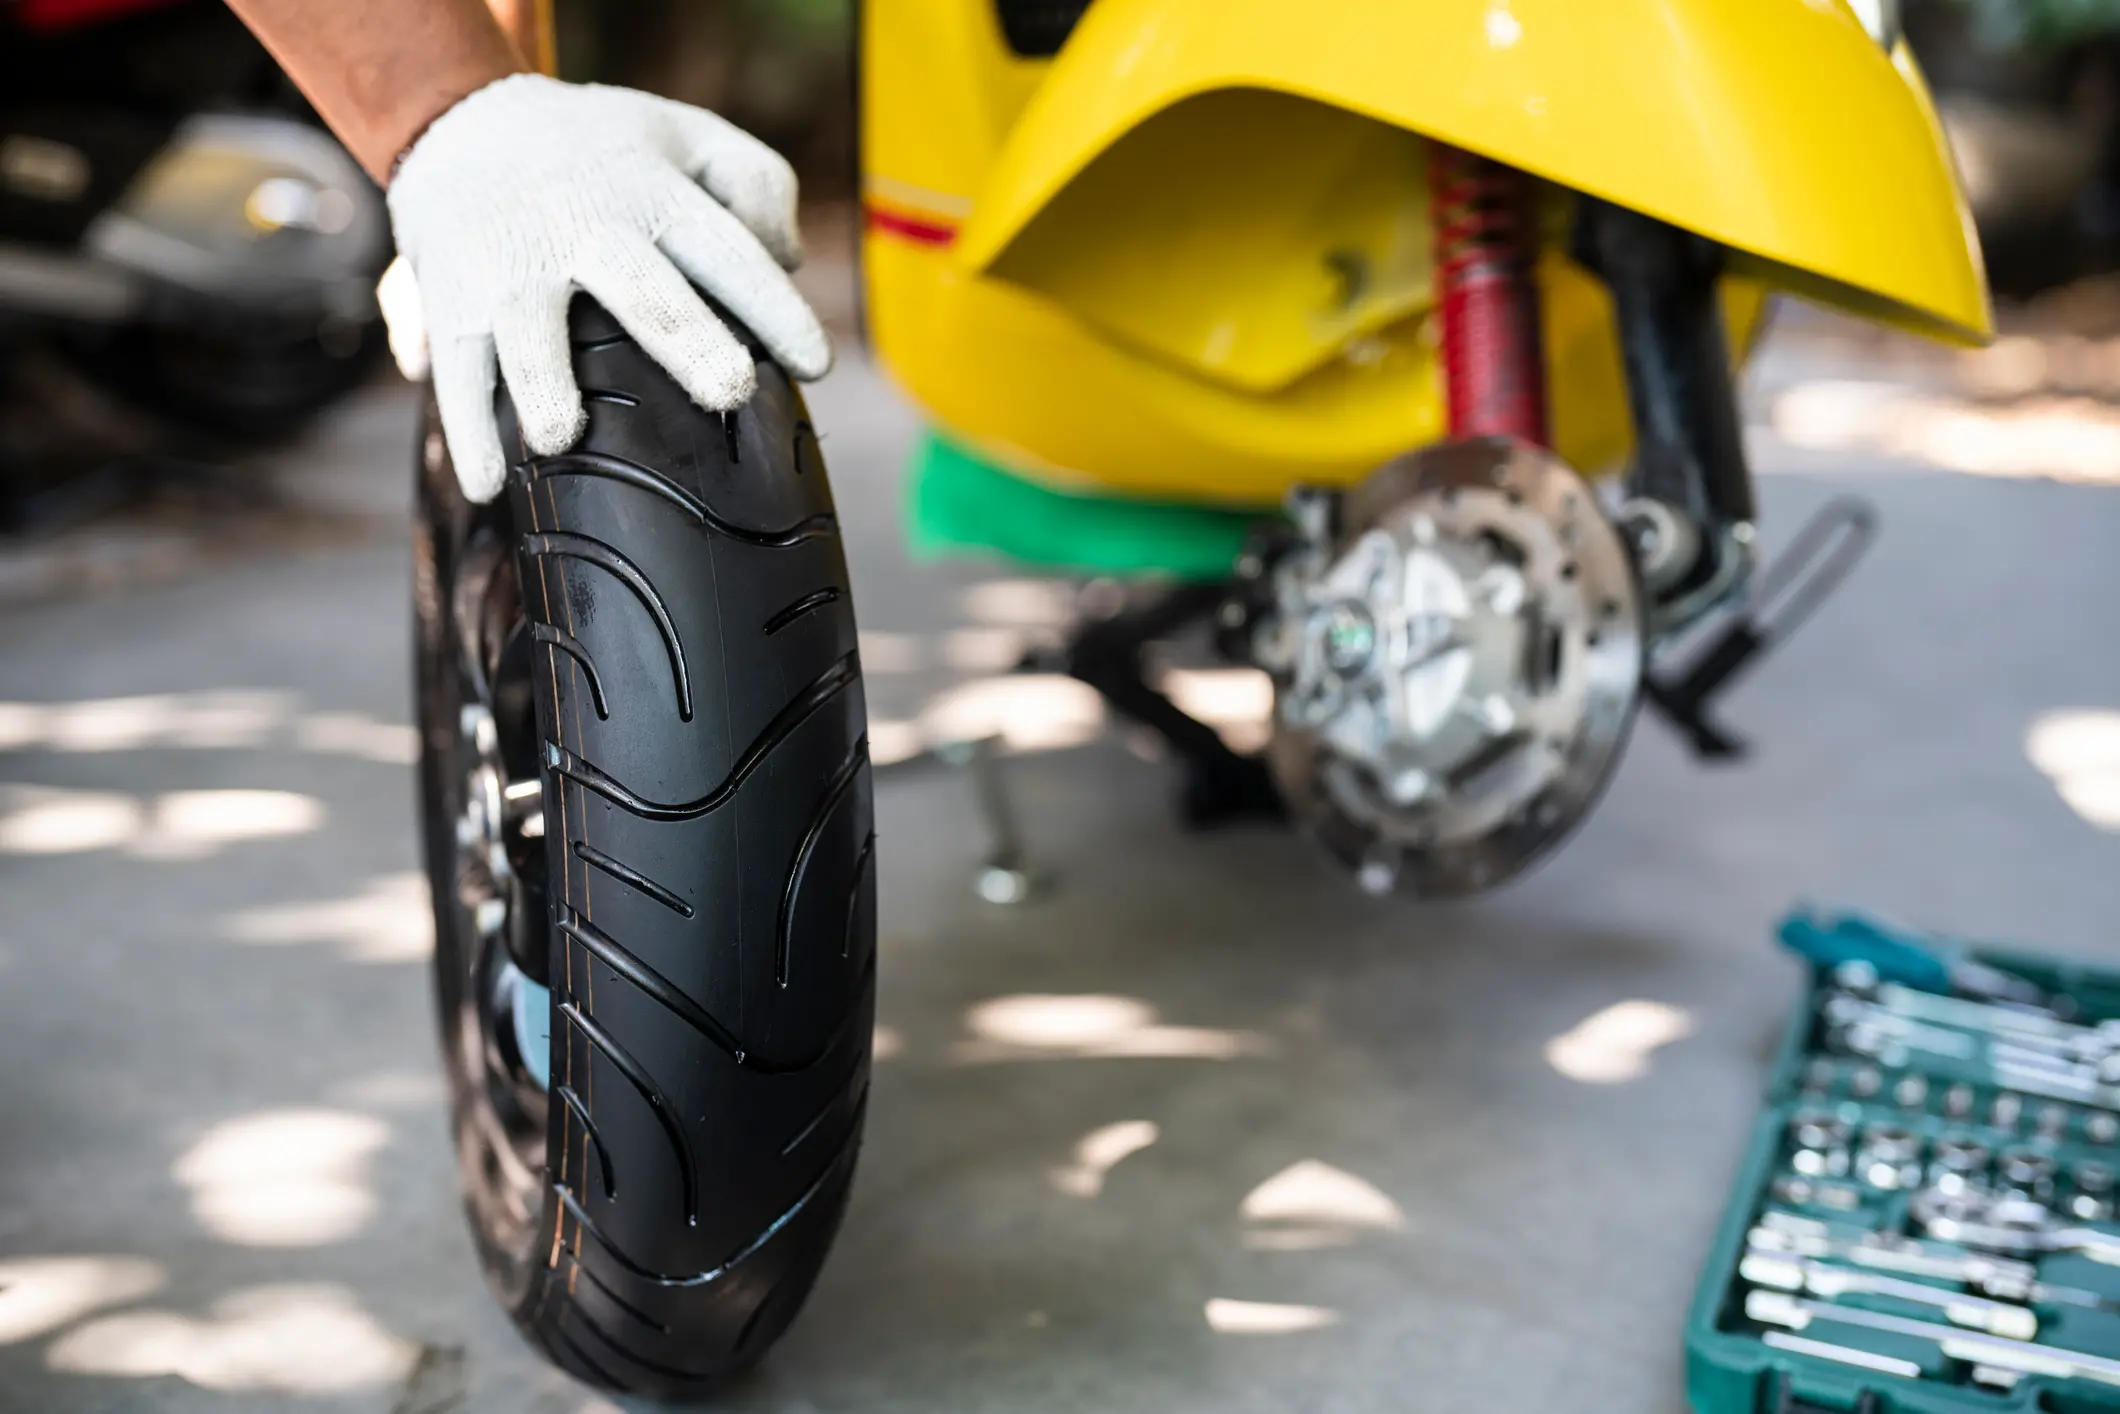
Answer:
(174, 224)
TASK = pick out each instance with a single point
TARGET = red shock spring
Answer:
(1485, 252)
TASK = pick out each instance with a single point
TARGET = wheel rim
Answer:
(493, 809)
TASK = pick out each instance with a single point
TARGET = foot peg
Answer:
(1785, 594)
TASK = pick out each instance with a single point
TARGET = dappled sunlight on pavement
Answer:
(202, 721)
(1614, 1045)
(283, 1178)
(39, 1295)
(1101, 1150)
(182, 825)
(390, 920)
(296, 1338)
(1226, 1316)
(1313, 1204)
(2060, 439)
(1031, 1027)
(2079, 751)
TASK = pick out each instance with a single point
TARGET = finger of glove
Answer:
(645, 293)
(720, 255)
(398, 295)
(753, 181)
(537, 363)
(463, 392)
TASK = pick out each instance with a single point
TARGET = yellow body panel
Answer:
(1165, 243)
(1194, 250)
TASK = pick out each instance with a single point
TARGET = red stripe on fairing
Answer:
(912, 228)
(51, 15)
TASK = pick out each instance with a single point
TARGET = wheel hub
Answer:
(1457, 665)
(479, 830)
(500, 828)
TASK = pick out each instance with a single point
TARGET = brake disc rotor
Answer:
(1457, 663)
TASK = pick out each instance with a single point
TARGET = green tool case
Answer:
(1924, 1222)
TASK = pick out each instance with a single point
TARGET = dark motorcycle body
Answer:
(173, 220)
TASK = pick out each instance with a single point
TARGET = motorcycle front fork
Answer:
(1689, 510)
(1486, 253)
(1689, 489)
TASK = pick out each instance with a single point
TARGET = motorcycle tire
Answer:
(645, 781)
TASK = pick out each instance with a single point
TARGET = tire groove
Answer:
(567, 545)
(830, 1106)
(610, 468)
(861, 874)
(840, 1163)
(555, 637)
(574, 1348)
(842, 781)
(750, 1325)
(580, 1112)
(672, 1372)
(619, 1301)
(831, 1042)
(805, 704)
(622, 1060)
(589, 854)
(816, 599)
(660, 989)
(672, 998)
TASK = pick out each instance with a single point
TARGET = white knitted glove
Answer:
(531, 189)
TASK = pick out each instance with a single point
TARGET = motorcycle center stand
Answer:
(1106, 653)
(1220, 786)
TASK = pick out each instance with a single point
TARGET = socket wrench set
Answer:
(1925, 1222)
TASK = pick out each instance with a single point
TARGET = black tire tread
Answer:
(709, 820)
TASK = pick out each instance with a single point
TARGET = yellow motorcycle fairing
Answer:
(1196, 259)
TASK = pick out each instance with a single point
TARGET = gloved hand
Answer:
(530, 189)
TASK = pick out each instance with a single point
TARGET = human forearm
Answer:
(529, 24)
(516, 192)
(380, 71)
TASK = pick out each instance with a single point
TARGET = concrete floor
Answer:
(1309, 1151)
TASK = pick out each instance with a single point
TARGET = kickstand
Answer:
(1787, 593)
(1004, 875)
